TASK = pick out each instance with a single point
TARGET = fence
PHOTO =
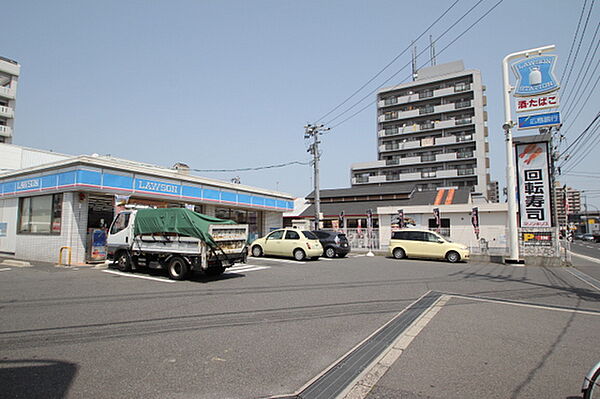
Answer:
(359, 238)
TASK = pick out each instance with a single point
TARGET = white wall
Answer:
(73, 234)
(8, 214)
(492, 222)
(13, 157)
(272, 220)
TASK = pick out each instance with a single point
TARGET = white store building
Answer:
(58, 204)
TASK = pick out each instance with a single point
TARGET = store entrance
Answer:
(100, 216)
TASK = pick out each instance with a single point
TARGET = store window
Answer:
(40, 215)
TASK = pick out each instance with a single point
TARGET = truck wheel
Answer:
(257, 251)
(124, 262)
(178, 268)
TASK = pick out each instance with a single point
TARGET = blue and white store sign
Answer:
(130, 184)
(535, 76)
(539, 120)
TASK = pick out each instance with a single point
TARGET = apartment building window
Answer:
(427, 157)
(426, 126)
(463, 121)
(40, 215)
(391, 100)
(390, 115)
(464, 137)
(464, 154)
(426, 93)
(426, 110)
(462, 86)
(465, 171)
(388, 131)
(462, 104)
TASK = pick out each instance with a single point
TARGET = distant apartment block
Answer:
(431, 133)
(493, 192)
(567, 202)
(9, 75)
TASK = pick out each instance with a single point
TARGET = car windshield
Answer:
(310, 235)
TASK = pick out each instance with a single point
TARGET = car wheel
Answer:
(330, 253)
(399, 253)
(299, 254)
(178, 268)
(452, 257)
(257, 251)
(124, 262)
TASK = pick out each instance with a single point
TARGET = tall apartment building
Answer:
(567, 202)
(9, 75)
(431, 132)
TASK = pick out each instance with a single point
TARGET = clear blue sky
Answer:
(230, 84)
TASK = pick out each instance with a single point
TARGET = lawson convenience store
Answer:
(61, 204)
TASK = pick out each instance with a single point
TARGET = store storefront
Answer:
(71, 203)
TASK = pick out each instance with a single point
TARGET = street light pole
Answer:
(511, 179)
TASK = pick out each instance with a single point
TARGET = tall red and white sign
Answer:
(534, 185)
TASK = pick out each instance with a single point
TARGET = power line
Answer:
(566, 82)
(587, 149)
(592, 91)
(386, 66)
(578, 83)
(281, 165)
(441, 51)
(574, 40)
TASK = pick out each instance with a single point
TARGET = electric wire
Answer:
(579, 83)
(587, 149)
(579, 143)
(441, 51)
(387, 65)
(565, 83)
(281, 165)
(574, 40)
(369, 94)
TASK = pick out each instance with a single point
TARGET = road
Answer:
(272, 326)
(584, 263)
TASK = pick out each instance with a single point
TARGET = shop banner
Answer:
(438, 219)
(534, 185)
(475, 221)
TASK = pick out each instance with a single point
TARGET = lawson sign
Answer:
(131, 184)
(535, 76)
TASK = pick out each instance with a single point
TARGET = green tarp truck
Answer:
(177, 239)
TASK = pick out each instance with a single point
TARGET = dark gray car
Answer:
(334, 243)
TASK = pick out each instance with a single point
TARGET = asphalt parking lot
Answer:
(272, 326)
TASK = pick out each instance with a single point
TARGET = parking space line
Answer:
(585, 278)
(5, 269)
(248, 268)
(281, 260)
(162, 280)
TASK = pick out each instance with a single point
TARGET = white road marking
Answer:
(281, 260)
(250, 268)
(585, 257)
(5, 269)
(162, 280)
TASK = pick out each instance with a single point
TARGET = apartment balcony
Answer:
(399, 146)
(7, 112)
(5, 131)
(367, 165)
(409, 176)
(7, 92)
(447, 173)
(444, 124)
(369, 179)
(410, 160)
(446, 157)
(466, 172)
(445, 140)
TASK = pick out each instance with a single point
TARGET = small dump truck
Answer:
(176, 239)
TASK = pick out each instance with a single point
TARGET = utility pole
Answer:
(313, 131)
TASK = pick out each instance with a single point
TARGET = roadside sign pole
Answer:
(511, 179)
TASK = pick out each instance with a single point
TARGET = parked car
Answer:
(299, 244)
(333, 242)
(425, 244)
(588, 237)
(578, 236)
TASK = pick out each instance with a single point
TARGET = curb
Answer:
(15, 263)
